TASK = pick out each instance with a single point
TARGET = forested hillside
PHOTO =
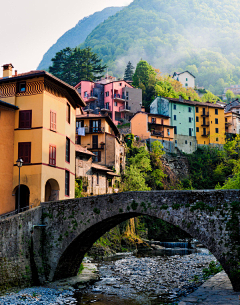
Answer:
(201, 36)
(76, 35)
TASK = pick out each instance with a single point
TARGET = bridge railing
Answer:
(6, 215)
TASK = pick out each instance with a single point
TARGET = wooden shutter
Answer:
(25, 119)
(52, 155)
(99, 156)
(95, 141)
(53, 120)
(24, 152)
(99, 125)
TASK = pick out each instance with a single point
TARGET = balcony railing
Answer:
(91, 96)
(107, 108)
(94, 129)
(124, 108)
(118, 96)
(204, 113)
(206, 123)
(157, 133)
(205, 134)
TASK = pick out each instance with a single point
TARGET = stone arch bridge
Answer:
(49, 242)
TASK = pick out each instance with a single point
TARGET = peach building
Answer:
(152, 126)
(37, 117)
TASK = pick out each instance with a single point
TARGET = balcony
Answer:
(228, 123)
(157, 133)
(205, 123)
(205, 134)
(94, 130)
(91, 97)
(204, 113)
(107, 108)
(124, 108)
(119, 97)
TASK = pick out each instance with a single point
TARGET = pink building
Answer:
(116, 97)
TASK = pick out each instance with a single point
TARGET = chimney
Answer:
(7, 70)
(142, 108)
(15, 73)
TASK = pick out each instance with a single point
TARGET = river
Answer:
(145, 278)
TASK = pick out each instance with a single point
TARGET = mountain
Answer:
(77, 35)
(201, 36)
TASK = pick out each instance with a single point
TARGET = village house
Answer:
(117, 98)
(152, 127)
(232, 119)
(100, 135)
(37, 118)
(96, 179)
(186, 78)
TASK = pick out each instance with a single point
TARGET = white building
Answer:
(186, 78)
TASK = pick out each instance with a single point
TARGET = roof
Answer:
(151, 114)
(2, 103)
(113, 174)
(83, 150)
(99, 116)
(178, 73)
(100, 167)
(38, 73)
(193, 103)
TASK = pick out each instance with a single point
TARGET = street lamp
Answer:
(19, 164)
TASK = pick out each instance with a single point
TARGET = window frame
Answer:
(67, 150)
(67, 183)
(53, 121)
(52, 154)
(18, 87)
(20, 121)
(216, 111)
(175, 117)
(216, 121)
(68, 113)
(25, 145)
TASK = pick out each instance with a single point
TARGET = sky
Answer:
(28, 28)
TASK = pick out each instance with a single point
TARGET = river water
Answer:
(149, 278)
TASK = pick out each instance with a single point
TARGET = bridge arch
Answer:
(73, 226)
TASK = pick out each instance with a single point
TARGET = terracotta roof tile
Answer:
(83, 150)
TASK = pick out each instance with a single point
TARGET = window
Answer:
(68, 150)
(21, 87)
(197, 119)
(95, 125)
(216, 121)
(190, 120)
(190, 132)
(153, 120)
(175, 129)
(110, 184)
(95, 141)
(97, 157)
(78, 140)
(175, 141)
(197, 110)
(85, 94)
(120, 84)
(67, 180)
(190, 143)
(97, 178)
(216, 111)
(24, 152)
(189, 109)
(115, 103)
(216, 130)
(168, 132)
(216, 139)
(25, 119)
(127, 95)
(52, 155)
(107, 93)
(185, 141)
(225, 119)
(53, 120)
(175, 117)
(186, 85)
(174, 106)
(186, 79)
(80, 124)
(68, 113)
(197, 129)
(107, 105)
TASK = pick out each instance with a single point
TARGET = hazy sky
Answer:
(29, 27)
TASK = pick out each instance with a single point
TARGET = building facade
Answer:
(186, 78)
(100, 135)
(43, 137)
(117, 98)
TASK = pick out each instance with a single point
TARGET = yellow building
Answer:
(42, 133)
(100, 135)
(210, 123)
(152, 126)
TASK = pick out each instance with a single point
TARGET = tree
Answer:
(74, 65)
(129, 71)
(210, 97)
(142, 73)
(230, 96)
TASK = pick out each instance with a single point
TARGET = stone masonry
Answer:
(49, 242)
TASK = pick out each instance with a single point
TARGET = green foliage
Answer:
(199, 36)
(81, 269)
(78, 188)
(74, 65)
(212, 269)
(210, 97)
(230, 96)
(129, 71)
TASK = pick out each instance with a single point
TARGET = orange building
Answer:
(210, 123)
(38, 119)
(152, 126)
